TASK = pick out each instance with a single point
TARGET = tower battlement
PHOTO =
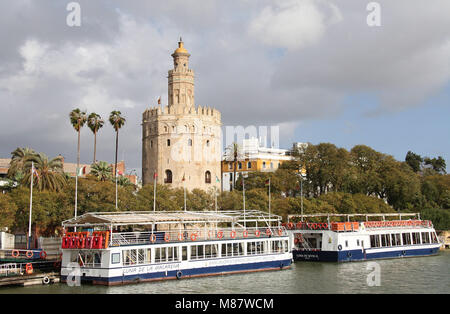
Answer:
(164, 111)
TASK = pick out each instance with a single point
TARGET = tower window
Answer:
(207, 177)
(151, 144)
(207, 143)
(249, 165)
(189, 142)
(239, 165)
(264, 165)
(168, 178)
(168, 142)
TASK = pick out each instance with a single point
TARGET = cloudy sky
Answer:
(315, 68)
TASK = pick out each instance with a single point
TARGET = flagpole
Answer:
(31, 206)
(269, 204)
(184, 185)
(243, 194)
(154, 191)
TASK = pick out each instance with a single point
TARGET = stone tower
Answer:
(181, 142)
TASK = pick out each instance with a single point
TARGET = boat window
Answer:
(157, 254)
(406, 237)
(148, 256)
(277, 246)
(115, 258)
(286, 246)
(383, 240)
(396, 239)
(129, 257)
(357, 242)
(184, 253)
(425, 237)
(197, 252)
(433, 236)
(211, 250)
(346, 243)
(141, 256)
(238, 249)
(172, 254)
(375, 240)
(416, 237)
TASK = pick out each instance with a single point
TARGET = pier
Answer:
(27, 267)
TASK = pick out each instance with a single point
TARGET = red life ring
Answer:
(220, 234)
(290, 225)
(167, 237)
(180, 236)
(194, 237)
(233, 234)
(324, 225)
(257, 233)
(43, 254)
(15, 253)
(29, 268)
(153, 238)
(29, 254)
(245, 233)
(299, 225)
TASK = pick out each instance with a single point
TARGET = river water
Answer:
(406, 275)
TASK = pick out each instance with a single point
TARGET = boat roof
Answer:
(166, 217)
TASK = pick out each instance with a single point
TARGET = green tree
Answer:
(8, 210)
(95, 123)
(414, 161)
(437, 164)
(18, 158)
(49, 173)
(101, 170)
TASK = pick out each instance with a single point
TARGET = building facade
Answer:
(181, 142)
(255, 157)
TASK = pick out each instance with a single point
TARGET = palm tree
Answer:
(117, 121)
(101, 170)
(50, 174)
(95, 123)
(77, 119)
(16, 166)
(233, 153)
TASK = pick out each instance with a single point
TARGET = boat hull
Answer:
(362, 255)
(183, 273)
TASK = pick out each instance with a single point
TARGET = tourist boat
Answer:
(377, 236)
(129, 247)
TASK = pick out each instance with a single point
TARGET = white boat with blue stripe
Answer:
(377, 236)
(129, 247)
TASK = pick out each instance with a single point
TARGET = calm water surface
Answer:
(408, 275)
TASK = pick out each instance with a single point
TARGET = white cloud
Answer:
(293, 24)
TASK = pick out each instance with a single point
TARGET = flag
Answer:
(217, 179)
(155, 175)
(34, 171)
(81, 171)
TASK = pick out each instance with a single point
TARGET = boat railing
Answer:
(398, 224)
(191, 235)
